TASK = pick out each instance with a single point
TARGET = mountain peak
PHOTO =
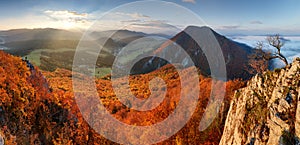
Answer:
(235, 54)
(192, 27)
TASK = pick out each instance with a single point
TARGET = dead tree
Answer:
(259, 59)
(277, 42)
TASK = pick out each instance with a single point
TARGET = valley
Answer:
(43, 79)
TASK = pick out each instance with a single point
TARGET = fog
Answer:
(291, 49)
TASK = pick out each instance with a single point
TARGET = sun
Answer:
(68, 25)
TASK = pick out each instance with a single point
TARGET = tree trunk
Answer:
(283, 59)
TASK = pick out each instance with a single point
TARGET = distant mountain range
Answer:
(57, 48)
(23, 41)
(38, 34)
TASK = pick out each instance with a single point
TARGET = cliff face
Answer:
(267, 111)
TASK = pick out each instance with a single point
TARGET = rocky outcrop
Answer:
(267, 111)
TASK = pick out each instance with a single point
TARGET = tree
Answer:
(277, 42)
(259, 59)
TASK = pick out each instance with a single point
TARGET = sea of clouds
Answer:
(291, 48)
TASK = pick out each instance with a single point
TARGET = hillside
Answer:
(235, 54)
(40, 107)
(53, 48)
(17, 35)
(39, 110)
(267, 110)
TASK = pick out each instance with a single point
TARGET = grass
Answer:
(101, 72)
(35, 56)
(60, 58)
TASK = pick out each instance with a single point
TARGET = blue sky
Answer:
(225, 16)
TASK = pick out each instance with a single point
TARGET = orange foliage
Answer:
(36, 112)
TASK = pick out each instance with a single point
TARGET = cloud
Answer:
(189, 1)
(153, 23)
(4, 27)
(69, 19)
(67, 16)
(230, 27)
(131, 15)
(154, 26)
(256, 22)
(136, 22)
(131, 21)
(64, 14)
(290, 49)
(137, 15)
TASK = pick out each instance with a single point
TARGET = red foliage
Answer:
(32, 111)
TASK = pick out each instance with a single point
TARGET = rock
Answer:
(267, 111)
(297, 124)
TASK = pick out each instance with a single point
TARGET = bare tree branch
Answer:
(259, 60)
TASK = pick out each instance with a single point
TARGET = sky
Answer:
(230, 17)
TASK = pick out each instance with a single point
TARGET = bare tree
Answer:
(259, 59)
(277, 42)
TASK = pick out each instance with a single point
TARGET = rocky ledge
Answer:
(267, 110)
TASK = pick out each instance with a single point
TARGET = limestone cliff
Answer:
(267, 110)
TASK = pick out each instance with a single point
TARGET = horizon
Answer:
(228, 18)
(220, 32)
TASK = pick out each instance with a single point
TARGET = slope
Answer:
(235, 54)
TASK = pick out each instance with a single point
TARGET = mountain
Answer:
(123, 35)
(55, 48)
(38, 34)
(267, 110)
(22, 42)
(235, 54)
(117, 34)
(112, 41)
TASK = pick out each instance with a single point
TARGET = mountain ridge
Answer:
(235, 54)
